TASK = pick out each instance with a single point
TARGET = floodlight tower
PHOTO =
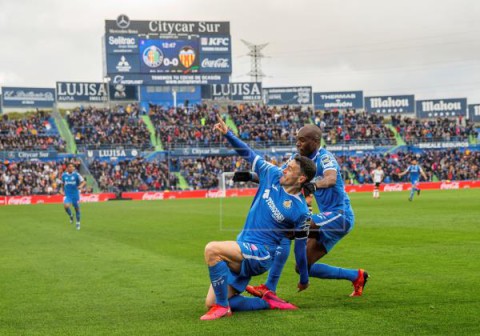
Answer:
(256, 74)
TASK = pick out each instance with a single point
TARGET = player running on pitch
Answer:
(378, 176)
(334, 221)
(72, 182)
(278, 208)
(415, 170)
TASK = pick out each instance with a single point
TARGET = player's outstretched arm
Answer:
(238, 145)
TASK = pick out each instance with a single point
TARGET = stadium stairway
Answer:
(64, 131)
(91, 182)
(398, 137)
(182, 183)
(156, 142)
(231, 124)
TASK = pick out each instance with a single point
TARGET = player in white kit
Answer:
(378, 175)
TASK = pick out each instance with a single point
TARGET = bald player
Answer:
(335, 220)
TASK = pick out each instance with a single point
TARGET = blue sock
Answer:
(77, 213)
(218, 277)
(412, 192)
(242, 303)
(324, 271)
(69, 212)
(281, 257)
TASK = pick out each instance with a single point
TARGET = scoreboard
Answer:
(167, 52)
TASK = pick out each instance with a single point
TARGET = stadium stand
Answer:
(414, 130)
(133, 175)
(95, 128)
(186, 127)
(353, 127)
(264, 126)
(33, 132)
(451, 164)
(32, 177)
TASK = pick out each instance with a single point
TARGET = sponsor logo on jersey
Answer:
(327, 161)
(277, 215)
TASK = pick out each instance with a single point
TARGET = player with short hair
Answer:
(415, 170)
(72, 182)
(378, 175)
(277, 208)
(335, 220)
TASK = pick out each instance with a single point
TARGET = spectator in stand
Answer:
(133, 175)
(414, 130)
(259, 124)
(452, 164)
(186, 127)
(33, 132)
(119, 127)
(351, 127)
(205, 172)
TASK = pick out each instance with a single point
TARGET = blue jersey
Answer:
(274, 212)
(414, 171)
(334, 198)
(71, 183)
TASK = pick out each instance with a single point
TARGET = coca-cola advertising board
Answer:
(51, 199)
(217, 193)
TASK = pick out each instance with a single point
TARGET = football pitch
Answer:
(137, 268)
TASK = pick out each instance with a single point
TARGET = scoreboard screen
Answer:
(169, 56)
(161, 52)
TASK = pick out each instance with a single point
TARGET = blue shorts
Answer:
(257, 259)
(414, 182)
(333, 227)
(71, 200)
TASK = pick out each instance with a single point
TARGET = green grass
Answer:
(136, 268)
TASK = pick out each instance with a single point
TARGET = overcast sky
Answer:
(430, 48)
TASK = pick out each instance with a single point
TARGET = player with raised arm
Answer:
(334, 221)
(415, 170)
(72, 182)
(278, 208)
(378, 175)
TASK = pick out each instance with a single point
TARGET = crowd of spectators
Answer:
(121, 126)
(186, 127)
(205, 172)
(133, 175)
(32, 177)
(269, 126)
(33, 132)
(415, 130)
(452, 164)
(352, 127)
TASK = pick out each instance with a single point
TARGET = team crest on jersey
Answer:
(287, 204)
